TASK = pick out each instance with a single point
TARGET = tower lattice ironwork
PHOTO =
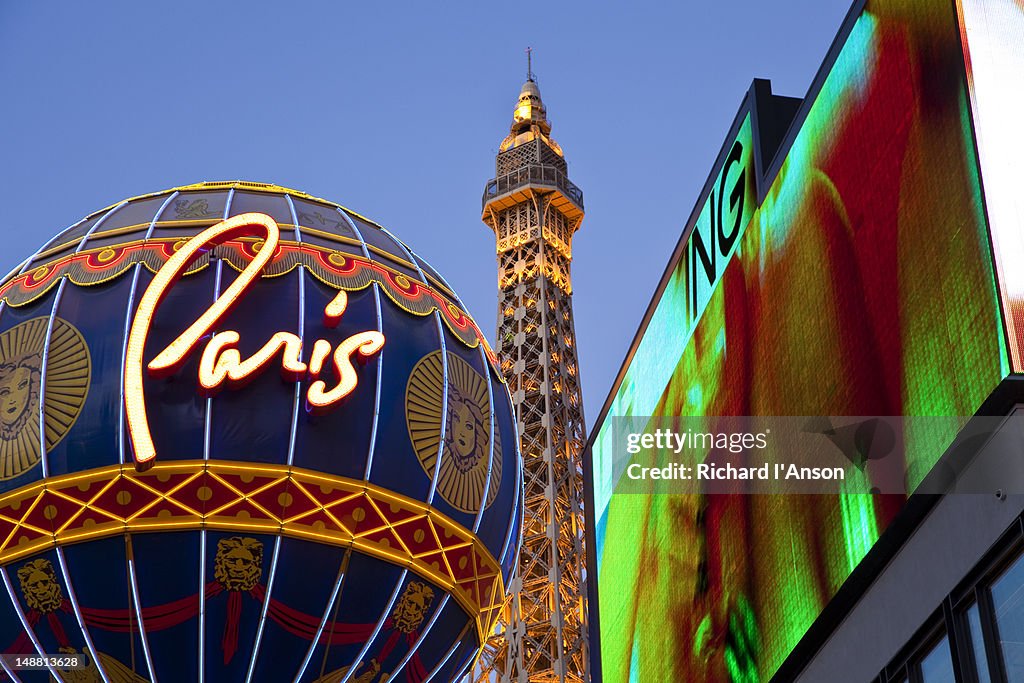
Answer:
(534, 211)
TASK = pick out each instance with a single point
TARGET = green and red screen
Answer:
(863, 282)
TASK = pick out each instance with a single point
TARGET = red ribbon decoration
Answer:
(170, 614)
(229, 641)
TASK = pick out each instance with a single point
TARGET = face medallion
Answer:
(466, 456)
(19, 382)
(21, 370)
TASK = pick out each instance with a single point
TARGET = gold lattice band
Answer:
(258, 498)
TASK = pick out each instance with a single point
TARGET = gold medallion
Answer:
(465, 455)
(67, 383)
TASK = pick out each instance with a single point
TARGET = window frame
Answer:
(950, 619)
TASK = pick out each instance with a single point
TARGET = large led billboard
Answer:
(852, 273)
(992, 33)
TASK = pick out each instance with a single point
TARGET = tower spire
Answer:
(529, 64)
(530, 114)
(534, 210)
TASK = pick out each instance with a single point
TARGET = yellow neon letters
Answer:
(367, 344)
(221, 361)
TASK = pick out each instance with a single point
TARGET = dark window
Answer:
(977, 640)
(1008, 600)
(937, 665)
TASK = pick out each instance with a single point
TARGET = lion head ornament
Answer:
(238, 564)
(40, 587)
(412, 607)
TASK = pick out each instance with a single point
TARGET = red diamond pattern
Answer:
(331, 510)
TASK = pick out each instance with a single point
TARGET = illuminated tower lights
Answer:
(534, 211)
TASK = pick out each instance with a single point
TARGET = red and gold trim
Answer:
(256, 498)
(340, 270)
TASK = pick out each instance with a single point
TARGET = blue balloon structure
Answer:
(247, 435)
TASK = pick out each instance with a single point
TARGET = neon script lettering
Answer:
(221, 362)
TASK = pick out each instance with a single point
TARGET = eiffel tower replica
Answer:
(534, 210)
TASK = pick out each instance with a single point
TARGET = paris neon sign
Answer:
(221, 362)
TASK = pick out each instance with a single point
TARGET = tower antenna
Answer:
(529, 64)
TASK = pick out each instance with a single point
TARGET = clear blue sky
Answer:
(396, 109)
